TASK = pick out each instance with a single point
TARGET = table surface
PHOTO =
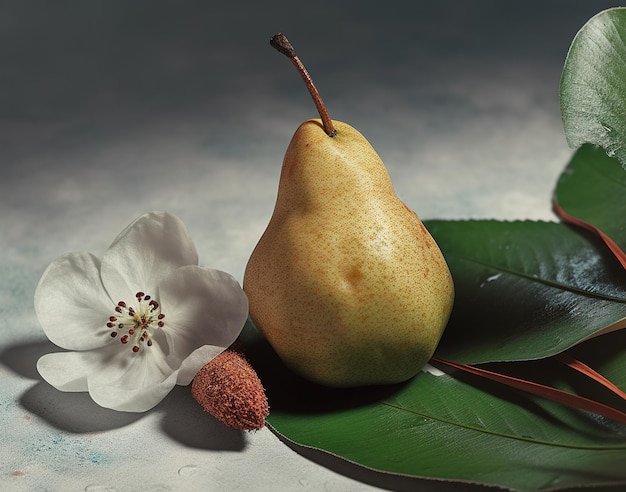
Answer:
(113, 109)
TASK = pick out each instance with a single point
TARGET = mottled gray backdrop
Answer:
(109, 109)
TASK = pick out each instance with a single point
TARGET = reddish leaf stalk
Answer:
(541, 390)
(589, 372)
(613, 246)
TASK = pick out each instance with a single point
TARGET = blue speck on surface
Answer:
(97, 458)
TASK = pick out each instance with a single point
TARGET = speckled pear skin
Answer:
(346, 283)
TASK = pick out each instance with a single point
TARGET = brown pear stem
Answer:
(280, 42)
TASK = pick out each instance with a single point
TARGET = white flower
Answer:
(138, 322)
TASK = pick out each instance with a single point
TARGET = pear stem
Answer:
(280, 42)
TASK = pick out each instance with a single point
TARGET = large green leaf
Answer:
(593, 84)
(526, 290)
(455, 427)
(590, 192)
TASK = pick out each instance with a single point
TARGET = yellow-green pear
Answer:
(346, 283)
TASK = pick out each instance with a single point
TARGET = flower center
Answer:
(136, 324)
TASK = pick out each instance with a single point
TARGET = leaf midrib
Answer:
(504, 435)
(543, 281)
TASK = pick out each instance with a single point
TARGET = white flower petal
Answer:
(67, 371)
(146, 252)
(202, 307)
(132, 382)
(71, 303)
(138, 399)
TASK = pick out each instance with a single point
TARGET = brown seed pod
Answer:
(229, 389)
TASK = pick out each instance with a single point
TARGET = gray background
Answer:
(111, 109)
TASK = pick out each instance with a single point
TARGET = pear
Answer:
(346, 283)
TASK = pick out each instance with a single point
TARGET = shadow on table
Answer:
(183, 420)
(386, 481)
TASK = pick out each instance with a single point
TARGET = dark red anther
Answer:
(118, 309)
(110, 325)
(124, 339)
(147, 298)
(121, 304)
(112, 318)
(160, 324)
(161, 316)
(113, 334)
(139, 295)
(135, 349)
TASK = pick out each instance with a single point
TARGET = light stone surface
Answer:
(112, 109)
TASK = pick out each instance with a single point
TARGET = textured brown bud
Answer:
(229, 389)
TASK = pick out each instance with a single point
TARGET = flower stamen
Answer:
(142, 320)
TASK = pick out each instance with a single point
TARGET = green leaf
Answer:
(453, 427)
(526, 290)
(590, 192)
(593, 85)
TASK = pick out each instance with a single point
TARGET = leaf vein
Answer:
(547, 282)
(502, 434)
